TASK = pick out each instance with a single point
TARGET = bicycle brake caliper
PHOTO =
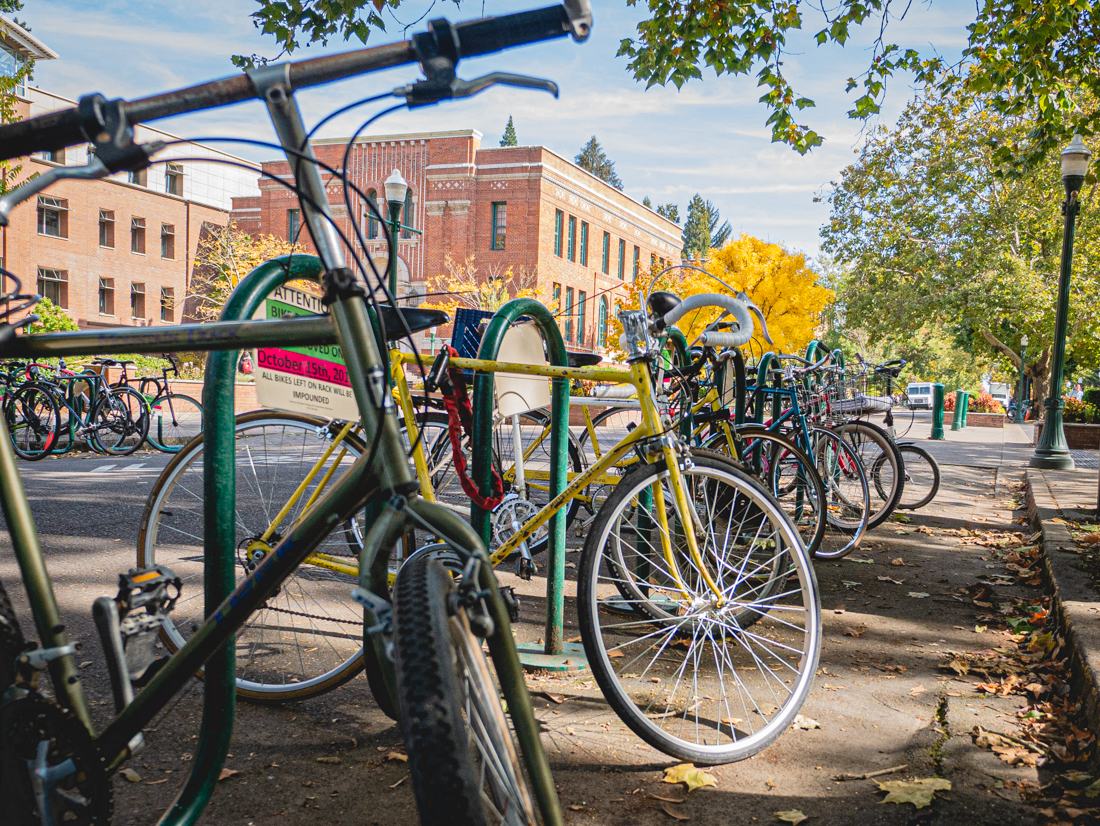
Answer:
(128, 634)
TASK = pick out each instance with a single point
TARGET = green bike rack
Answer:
(219, 524)
(937, 412)
(682, 358)
(554, 654)
(957, 415)
(762, 371)
(966, 408)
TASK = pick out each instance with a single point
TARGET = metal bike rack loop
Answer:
(219, 525)
(555, 653)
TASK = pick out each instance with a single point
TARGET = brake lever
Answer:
(443, 84)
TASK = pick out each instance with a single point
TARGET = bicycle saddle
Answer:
(416, 319)
(661, 303)
(577, 359)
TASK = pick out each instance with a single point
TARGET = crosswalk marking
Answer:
(102, 468)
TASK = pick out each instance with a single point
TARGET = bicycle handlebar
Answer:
(83, 123)
(728, 303)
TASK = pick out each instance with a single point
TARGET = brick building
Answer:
(118, 251)
(520, 206)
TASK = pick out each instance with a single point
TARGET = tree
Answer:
(648, 204)
(931, 230)
(701, 231)
(782, 284)
(225, 255)
(509, 138)
(592, 158)
(464, 285)
(51, 319)
(1032, 57)
(670, 211)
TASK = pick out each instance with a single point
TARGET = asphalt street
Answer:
(882, 697)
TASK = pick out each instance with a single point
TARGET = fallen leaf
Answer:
(851, 632)
(393, 755)
(614, 653)
(917, 792)
(577, 808)
(665, 799)
(918, 690)
(156, 782)
(130, 775)
(861, 561)
(329, 759)
(980, 629)
(791, 816)
(692, 777)
(899, 562)
(675, 815)
(891, 579)
(770, 783)
(227, 773)
(732, 721)
(900, 531)
(805, 723)
(553, 698)
(901, 517)
(850, 583)
(1093, 790)
(918, 594)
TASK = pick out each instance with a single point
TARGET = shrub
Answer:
(1078, 411)
(985, 403)
(949, 402)
(1092, 396)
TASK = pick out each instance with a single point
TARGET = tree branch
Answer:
(999, 345)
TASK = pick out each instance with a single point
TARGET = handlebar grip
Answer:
(494, 34)
(728, 303)
(713, 339)
(53, 130)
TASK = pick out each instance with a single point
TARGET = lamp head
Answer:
(1075, 159)
(1023, 340)
(396, 187)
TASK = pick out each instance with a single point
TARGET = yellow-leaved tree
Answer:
(225, 255)
(464, 284)
(780, 283)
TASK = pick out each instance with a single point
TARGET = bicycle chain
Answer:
(313, 616)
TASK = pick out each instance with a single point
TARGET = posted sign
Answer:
(312, 379)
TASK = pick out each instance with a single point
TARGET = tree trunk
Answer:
(1038, 370)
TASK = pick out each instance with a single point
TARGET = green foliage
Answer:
(670, 211)
(648, 204)
(701, 231)
(51, 319)
(984, 403)
(593, 159)
(509, 137)
(9, 170)
(1092, 396)
(1079, 411)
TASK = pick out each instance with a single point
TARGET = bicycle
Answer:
(54, 737)
(174, 418)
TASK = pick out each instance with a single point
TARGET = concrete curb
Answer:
(1076, 604)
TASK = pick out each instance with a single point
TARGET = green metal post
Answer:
(556, 654)
(762, 372)
(394, 227)
(966, 407)
(220, 540)
(956, 417)
(1020, 412)
(937, 412)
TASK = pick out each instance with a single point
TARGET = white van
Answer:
(920, 395)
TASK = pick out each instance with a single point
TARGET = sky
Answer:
(709, 137)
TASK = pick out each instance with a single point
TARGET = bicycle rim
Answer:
(922, 477)
(173, 422)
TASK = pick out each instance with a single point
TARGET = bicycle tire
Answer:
(175, 419)
(869, 442)
(11, 640)
(120, 422)
(150, 388)
(33, 418)
(451, 712)
(922, 477)
(264, 658)
(788, 628)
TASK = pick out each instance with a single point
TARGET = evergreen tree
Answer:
(702, 232)
(509, 138)
(595, 161)
(670, 211)
(647, 203)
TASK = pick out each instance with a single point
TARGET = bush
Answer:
(1092, 396)
(1078, 411)
(985, 403)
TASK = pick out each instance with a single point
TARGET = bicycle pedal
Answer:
(511, 601)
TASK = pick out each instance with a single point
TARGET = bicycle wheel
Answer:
(307, 638)
(462, 757)
(870, 443)
(31, 413)
(847, 492)
(922, 477)
(120, 422)
(706, 674)
(175, 420)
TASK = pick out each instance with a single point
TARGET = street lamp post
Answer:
(1020, 412)
(1052, 452)
(396, 189)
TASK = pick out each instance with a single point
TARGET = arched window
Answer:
(407, 217)
(372, 222)
(601, 329)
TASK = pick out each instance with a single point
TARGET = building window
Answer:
(173, 179)
(106, 296)
(137, 300)
(601, 328)
(653, 261)
(605, 263)
(584, 244)
(55, 155)
(54, 285)
(167, 241)
(372, 222)
(556, 304)
(293, 224)
(637, 262)
(622, 258)
(53, 217)
(107, 228)
(581, 298)
(500, 224)
(559, 218)
(571, 244)
(167, 304)
(12, 64)
(137, 235)
(138, 176)
(407, 216)
(568, 313)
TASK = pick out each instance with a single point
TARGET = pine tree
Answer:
(509, 138)
(702, 232)
(670, 211)
(647, 203)
(593, 159)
